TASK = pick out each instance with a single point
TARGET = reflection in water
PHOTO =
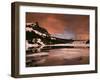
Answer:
(56, 55)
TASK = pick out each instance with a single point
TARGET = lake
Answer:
(57, 56)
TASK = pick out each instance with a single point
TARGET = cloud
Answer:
(60, 23)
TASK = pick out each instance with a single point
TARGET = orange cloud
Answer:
(59, 23)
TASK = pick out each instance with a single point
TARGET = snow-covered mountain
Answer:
(39, 35)
(34, 32)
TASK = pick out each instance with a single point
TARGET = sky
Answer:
(62, 25)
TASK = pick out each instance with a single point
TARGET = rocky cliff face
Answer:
(39, 35)
(34, 33)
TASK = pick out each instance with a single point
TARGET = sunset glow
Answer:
(68, 26)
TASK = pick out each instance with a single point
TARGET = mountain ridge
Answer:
(36, 32)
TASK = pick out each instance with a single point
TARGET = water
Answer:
(57, 55)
